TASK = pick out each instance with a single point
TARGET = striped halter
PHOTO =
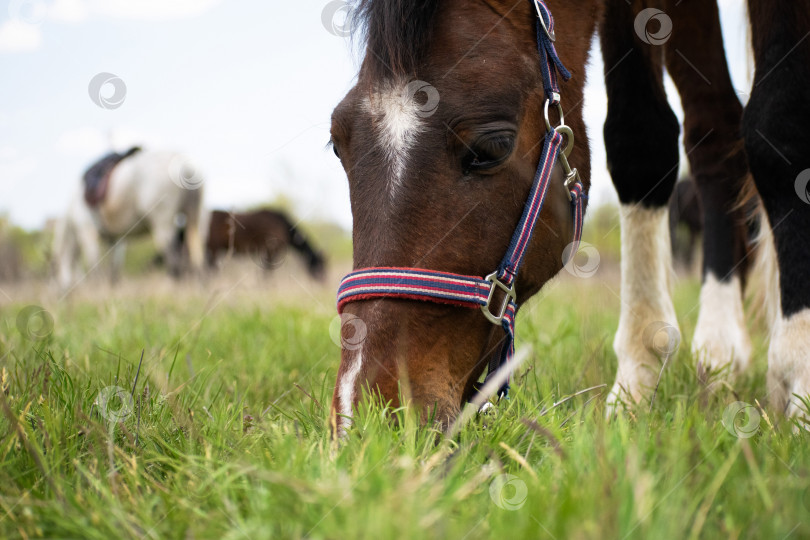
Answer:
(475, 292)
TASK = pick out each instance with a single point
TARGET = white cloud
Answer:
(68, 11)
(17, 36)
(22, 32)
(153, 10)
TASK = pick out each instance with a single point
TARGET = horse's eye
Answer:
(334, 149)
(488, 152)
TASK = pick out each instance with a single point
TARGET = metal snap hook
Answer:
(569, 138)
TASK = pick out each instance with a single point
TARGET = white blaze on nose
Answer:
(395, 114)
(347, 387)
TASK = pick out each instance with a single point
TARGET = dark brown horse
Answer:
(442, 185)
(440, 139)
(264, 234)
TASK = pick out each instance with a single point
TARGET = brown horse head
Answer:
(440, 140)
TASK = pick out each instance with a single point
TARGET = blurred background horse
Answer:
(265, 234)
(124, 195)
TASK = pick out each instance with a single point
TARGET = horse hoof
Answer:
(789, 366)
(721, 338)
(642, 349)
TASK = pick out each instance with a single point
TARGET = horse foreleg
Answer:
(641, 139)
(119, 252)
(89, 245)
(194, 241)
(777, 141)
(164, 236)
(65, 247)
(193, 237)
(697, 63)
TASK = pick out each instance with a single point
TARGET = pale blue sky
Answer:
(244, 87)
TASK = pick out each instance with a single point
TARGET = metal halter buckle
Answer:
(510, 295)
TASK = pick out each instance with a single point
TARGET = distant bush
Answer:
(23, 253)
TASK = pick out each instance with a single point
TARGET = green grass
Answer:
(227, 437)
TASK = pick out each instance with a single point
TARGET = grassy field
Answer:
(222, 433)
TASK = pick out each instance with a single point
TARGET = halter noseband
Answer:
(476, 292)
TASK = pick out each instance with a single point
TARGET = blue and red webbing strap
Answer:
(537, 196)
(550, 62)
(413, 284)
(472, 291)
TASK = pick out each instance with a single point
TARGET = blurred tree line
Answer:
(24, 254)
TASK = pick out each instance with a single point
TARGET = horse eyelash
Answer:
(331, 146)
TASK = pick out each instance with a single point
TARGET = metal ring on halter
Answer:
(545, 115)
(550, 35)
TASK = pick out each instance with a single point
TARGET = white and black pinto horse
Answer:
(123, 195)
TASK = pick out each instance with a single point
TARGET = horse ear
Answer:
(131, 151)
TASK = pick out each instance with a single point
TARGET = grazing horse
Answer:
(138, 192)
(265, 233)
(440, 140)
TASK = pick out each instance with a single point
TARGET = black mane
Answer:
(396, 33)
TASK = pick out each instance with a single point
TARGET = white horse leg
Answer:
(789, 364)
(646, 304)
(64, 249)
(721, 338)
(194, 237)
(89, 243)
(119, 253)
(712, 115)
(164, 234)
(642, 154)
